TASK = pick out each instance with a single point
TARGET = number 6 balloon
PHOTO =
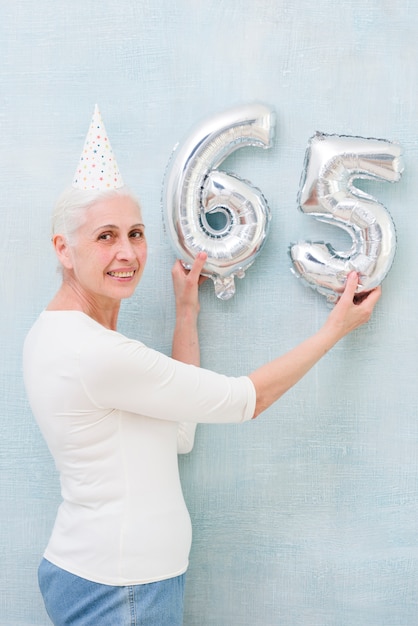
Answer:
(194, 189)
(327, 193)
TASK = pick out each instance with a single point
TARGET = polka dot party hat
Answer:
(97, 168)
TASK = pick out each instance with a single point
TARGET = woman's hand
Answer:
(352, 310)
(186, 285)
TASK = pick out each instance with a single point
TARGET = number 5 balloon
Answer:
(194, 190)
(327, 193)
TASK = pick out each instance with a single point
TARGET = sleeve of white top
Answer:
(185, 437)
(121, 373)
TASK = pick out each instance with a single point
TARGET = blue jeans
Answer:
(74, 601)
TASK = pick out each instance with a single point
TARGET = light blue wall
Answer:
(309, 516)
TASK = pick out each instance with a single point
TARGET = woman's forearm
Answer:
(185, 345)
(272, 380)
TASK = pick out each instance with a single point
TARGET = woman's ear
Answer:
(62, 250)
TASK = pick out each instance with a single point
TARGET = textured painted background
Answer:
(309, 516)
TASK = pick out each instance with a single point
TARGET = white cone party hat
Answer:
(97, 168)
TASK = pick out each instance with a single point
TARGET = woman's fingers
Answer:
(350, 296)
(350, 287)
(198, 265)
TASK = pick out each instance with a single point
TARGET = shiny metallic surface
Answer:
(195, 190)
(328, 194)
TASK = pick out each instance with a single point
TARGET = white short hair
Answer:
(71, 207)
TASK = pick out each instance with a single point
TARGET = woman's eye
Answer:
(105, 236)
(137, 234)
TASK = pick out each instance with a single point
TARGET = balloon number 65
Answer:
(218, 213)
(214, 212)
(327, 193)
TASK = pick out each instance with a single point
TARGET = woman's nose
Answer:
(125, 250)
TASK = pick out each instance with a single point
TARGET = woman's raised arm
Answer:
(273, 379)
(186, 283)
(186, 346)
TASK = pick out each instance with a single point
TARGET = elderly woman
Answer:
(115, 413)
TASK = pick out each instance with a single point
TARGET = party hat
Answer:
(97, 168)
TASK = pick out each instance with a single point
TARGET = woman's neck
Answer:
(70, 298)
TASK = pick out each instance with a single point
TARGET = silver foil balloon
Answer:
(327, 193)
(210, 210)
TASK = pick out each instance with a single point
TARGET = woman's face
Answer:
(110, 250)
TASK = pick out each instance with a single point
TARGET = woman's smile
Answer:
(122, 274)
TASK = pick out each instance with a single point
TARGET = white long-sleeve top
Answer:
(109, 409)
